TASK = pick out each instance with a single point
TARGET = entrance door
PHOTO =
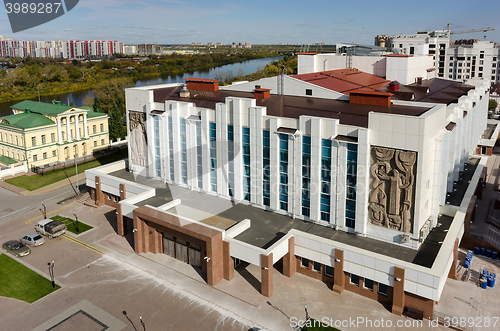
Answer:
(169, 246)
(181, 251)
(194, 255)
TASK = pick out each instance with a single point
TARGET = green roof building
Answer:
(50, 133)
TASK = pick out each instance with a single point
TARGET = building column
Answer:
(99, 196)
(338, 272)
(77, 127)
(138, 239)
(266, 282)
(68, 129)
(228, 261)
(121, 226)
(289, 260)
(398, 297)
(156, 241)
(59, 130)
(145, 236)
(85, 127)
(453, 269)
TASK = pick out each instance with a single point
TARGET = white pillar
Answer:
(85, 127)
(77, 128)
(59, 130)
(68, 129)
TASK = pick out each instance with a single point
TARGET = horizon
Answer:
(176, 22)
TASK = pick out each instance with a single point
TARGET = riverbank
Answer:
(175, 65)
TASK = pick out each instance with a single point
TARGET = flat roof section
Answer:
(268, 227)
(459, 187)
(488, 132)
(292, 106)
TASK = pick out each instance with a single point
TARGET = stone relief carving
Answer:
(138, 138)
(391, 189)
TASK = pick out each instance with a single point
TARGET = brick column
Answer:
(289, 260)
(121, 226)
(138, 240)
(453, 269)
(338, 272)
(228, 261)
(146, 236)
(156, 241)
(99, 196)
(398, 297)
(266, 283)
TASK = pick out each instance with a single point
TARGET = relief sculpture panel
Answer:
(138, 138)
(392, 185)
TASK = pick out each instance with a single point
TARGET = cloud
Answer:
(343, 22)
(67, 29)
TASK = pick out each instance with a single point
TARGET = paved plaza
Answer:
(105, 285)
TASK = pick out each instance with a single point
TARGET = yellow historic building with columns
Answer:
(50, 133)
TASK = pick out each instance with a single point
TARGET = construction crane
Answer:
(470, 31)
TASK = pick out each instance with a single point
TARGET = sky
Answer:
(260, 22)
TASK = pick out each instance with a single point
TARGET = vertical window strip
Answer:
(306, 176)
(171, 148)
(326, 169)
(283, 188)
(246, 163)
(199, 156)
(230, 158)
(183, 128)
(352, 165)
(157, 145)
(266, 162)
(213, 156)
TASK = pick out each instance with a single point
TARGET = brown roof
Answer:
(344, 80)
(435, 90)
(291, 106)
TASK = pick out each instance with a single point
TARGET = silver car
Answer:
(32, 239)
(16, 247)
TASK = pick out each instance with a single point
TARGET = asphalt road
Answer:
(13, 205)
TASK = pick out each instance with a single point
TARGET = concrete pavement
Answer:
(168, 294)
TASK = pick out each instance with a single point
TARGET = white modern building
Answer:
(454, 61)
(403, 68)
(361, 191)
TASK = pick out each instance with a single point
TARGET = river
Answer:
(249, 67)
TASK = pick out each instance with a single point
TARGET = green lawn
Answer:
(70, 224)
(31, 183)
(20, 282)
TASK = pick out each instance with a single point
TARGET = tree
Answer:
(116, 116)
(109, 91)
(96, 106)
(492, 105)
(72, 104)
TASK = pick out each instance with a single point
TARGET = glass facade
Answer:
(306, 176)
(171, 148)
(352, 166)
(230, 158)
(246, 163)
(266, 163)
(283, 191)
(156, 124)
(326, 178)
(199, 155)
(184, 167)
(213, 156)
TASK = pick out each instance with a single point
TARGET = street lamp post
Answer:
(51, 273)
(44, 210)
(142, 323)
(76, 169)
(76, 223)
(307, 317)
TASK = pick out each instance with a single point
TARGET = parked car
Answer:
(32, 239)
(16, 247)
(50, 228)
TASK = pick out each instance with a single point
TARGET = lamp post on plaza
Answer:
(76, 223)
(51, 273)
